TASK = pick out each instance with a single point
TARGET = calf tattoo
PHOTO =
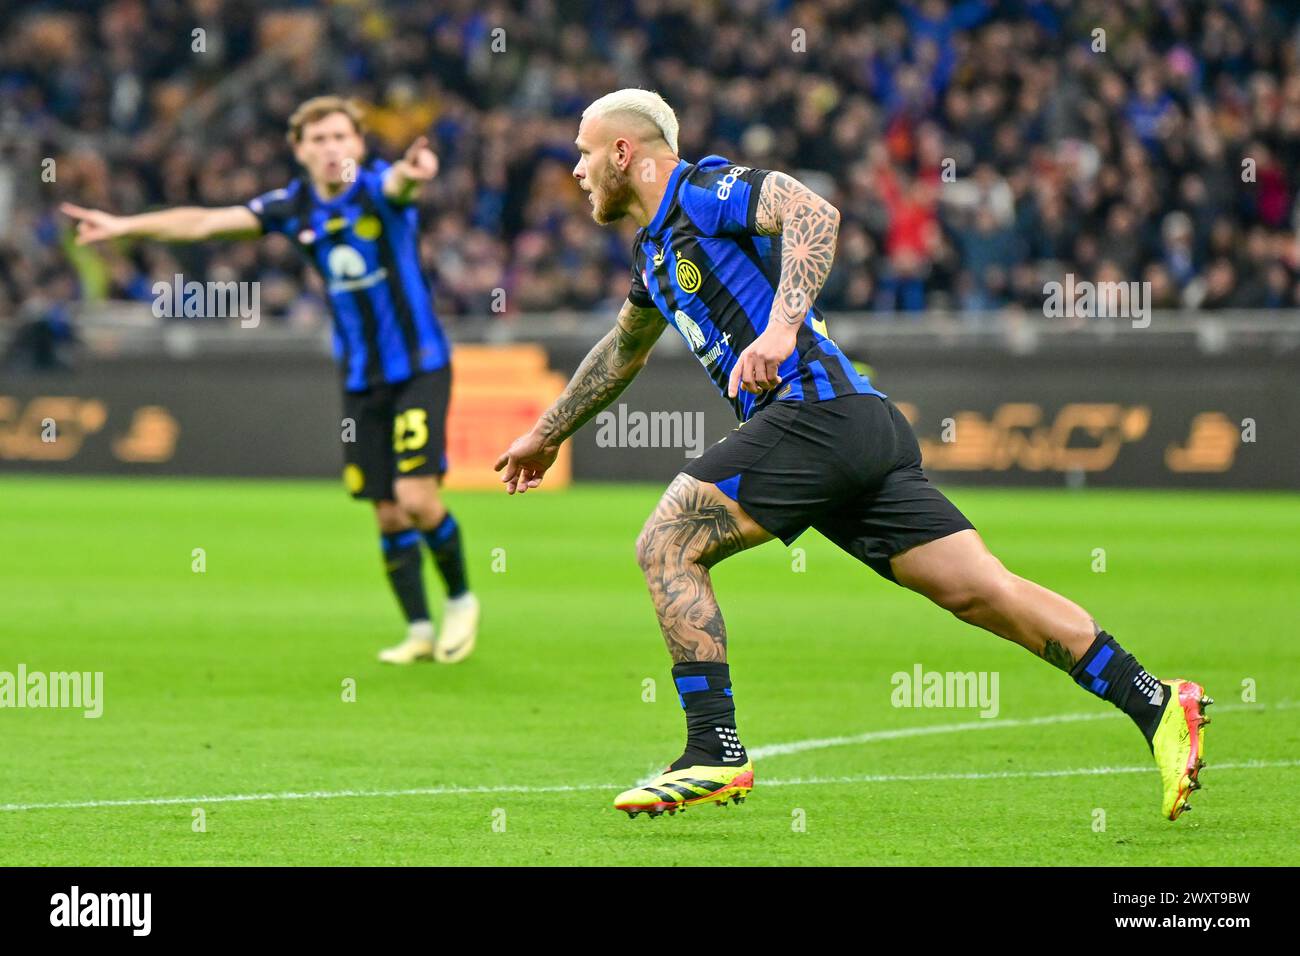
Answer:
(689, 532)
(1055, 653)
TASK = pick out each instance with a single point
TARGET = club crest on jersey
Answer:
(367, 227)
(690, 330)
(688, 275)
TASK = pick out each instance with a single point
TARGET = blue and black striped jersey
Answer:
(702, 263)
(366, 248)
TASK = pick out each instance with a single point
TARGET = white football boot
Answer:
(418, 646)
(459, 629)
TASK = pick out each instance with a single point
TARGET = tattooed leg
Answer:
(960, 575)
(693, 528)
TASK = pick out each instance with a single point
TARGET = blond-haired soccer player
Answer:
(733, 257)
(355, 222)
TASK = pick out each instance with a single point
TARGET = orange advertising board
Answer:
(498, 392)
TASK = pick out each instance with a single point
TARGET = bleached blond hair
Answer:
(644, 104)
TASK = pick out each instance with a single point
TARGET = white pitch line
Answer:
(290, 795)
(900, 733)
(772, 750)
(1014, 774)
(871, 736)
(587, 787)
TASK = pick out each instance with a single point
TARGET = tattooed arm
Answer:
(808, 226)
(604, 373)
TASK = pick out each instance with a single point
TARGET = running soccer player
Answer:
(356, 223)
(733, 258)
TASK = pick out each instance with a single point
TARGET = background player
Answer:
(733, 258)
(356, 222)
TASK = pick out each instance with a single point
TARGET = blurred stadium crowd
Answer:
(1125, 164)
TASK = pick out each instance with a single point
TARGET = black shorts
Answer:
(398, 431)
(850, 467)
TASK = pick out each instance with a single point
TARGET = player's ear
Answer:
(622, 154)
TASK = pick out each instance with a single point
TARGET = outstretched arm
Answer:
(181, 224)
(808, 226)
(604, 373)
(406, 177)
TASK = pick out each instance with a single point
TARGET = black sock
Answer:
(402, 561)
(444, 542)
(1114, 674)
(704, 688)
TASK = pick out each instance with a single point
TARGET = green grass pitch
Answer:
(224, 689)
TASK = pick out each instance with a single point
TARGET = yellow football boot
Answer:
(675, 790)
(1179, 744)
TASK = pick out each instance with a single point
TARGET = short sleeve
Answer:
(372, 175)
(638, 294)
(722, 200)
(276, 211)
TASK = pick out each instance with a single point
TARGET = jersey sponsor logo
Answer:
(365, 282)
(688, 275)
(696, 338)
(715, 353)
(729, 180)
(349, 269)
(690, 330)
(346, 263)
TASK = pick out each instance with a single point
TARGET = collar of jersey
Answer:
(670, 194)
(340, 198)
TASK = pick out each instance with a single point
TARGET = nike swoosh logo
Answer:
(410, 464)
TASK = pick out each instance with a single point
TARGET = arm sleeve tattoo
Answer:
(808, 225)
(605, 372)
